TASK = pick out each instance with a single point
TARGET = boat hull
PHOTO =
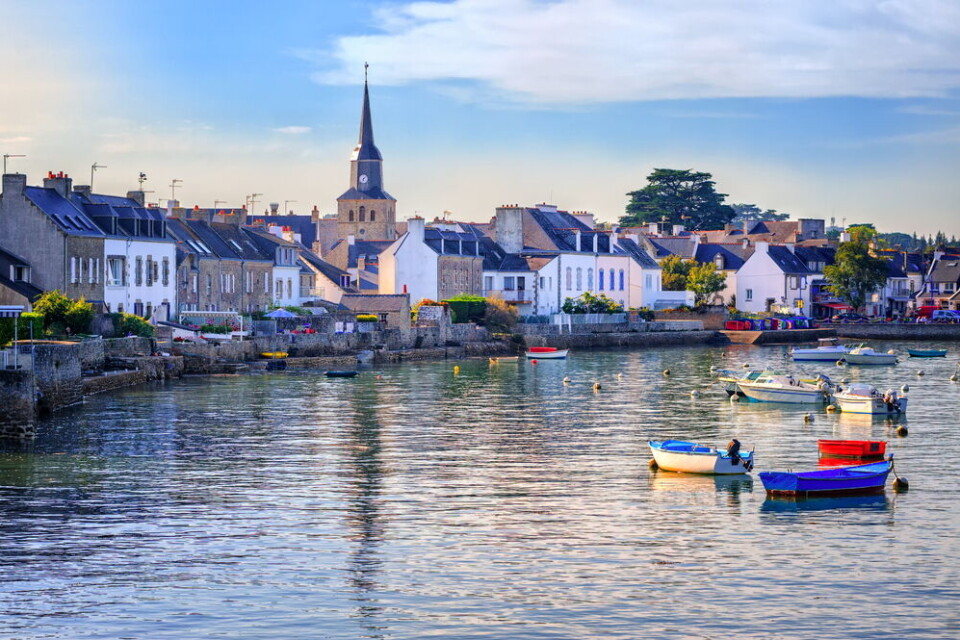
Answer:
(820, 354)
(927, 353)
(851, 448)
(559, 354)
(856, 480)
(340, 374)
(698, 459)
(871, 359)
(870, 405)
(788, 395)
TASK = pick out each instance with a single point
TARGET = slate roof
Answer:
(372, 193)
(638, 253)
(676, 246)
(376, 303)
(562, 227)
(187, 240)
(257, 244)
(302, 225)
(786, 261)
(734, 254)
(64, 213)
(447, 243)
(946, 270)
(212, 239)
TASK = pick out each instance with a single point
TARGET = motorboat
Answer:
(341, 374)
(690, 457)
(864, 398)
(828, 350)
(927, 353)
(785, 388)
(729, 379)
(546, 353)
(867, 355)
(858, 479)
(857, 449)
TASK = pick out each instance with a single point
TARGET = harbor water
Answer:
(495, 502)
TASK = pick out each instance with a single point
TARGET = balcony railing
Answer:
(511, 295)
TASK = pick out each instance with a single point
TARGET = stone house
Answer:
(392, 310)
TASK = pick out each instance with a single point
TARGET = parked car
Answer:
(848, 316)
(945, 315)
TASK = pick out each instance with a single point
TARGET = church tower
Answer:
(365, 210)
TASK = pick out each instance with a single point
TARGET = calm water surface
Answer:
(497, 503)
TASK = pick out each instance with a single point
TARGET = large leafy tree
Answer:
(678, 196)
(753, 213)
(704, 280)
(856, 273)
(674, 273)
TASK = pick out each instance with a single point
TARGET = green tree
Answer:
(675, 271)
(678, 196)
(856, 273)
(753, 213)
(590, 303)
(704, 280)
(61, 313)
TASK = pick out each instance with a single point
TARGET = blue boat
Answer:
(859, 479)
(927, 353)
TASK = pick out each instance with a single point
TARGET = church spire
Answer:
(366, 149)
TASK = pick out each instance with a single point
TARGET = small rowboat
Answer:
(868, 356)
(690, 457)
(274, 355)
(927, 353)
(499, 359)
(859, 479)
(851, 448)
(864, 398)
(546, 353)
(340, 374)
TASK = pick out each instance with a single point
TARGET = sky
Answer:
(844, 109)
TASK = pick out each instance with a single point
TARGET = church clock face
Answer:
(363, 178)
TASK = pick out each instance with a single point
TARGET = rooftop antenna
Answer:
(141, 179)
(252, 200)
(217, 202)
(285, 211)
(93, 168)
(173, 188)
(10, 155)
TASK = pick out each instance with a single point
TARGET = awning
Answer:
(834, 305)
(10, 311)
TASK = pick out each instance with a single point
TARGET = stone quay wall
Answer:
(19, 402)
(906, 331)
(632, 339)
(58, 375)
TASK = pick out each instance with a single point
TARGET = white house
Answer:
(773, 279)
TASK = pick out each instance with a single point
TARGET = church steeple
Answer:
(365, 210)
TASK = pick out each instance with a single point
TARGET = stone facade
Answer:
(459, 274)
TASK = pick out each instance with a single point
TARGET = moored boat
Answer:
(867, 356)
(858, 479)
(828, 350)
(851, 448)
(546, 353)
(499, 359)
(927, 353)
(341, 374)
(690, 457)
(783, 388)
(865, 398)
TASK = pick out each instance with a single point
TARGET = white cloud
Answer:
(594, 51)
(293, 130)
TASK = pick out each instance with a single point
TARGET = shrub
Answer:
(23, 327)
(499, 316)
(589, 303)
(466, 307)
(215, 328)
(127, 324)
(60, 313)
(367, 317)
(644, 313)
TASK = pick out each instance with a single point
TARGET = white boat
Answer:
(729, 379)
(828, 350)
(689, 457)
(866, 355)
(545, 353)
(781, 388)
(865, 398)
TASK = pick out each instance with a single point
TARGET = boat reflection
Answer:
(686, 482)
(786, 504)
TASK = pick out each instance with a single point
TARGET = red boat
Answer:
(851, 448)
(541, 349)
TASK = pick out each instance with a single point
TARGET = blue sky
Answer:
(844, 108)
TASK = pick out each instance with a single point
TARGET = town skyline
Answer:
(467, 119)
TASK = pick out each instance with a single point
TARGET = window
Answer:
(73, 270)
(600, 275)
(542, 282)
(350, 216)
(621, 279)
(138, 271)
(649, 281)
(166, 272)
(590, 278)
(569, 278)
(90, 271)
(247, 282)
(718, 260)
(290, 288)
(363, 214)
(115, 272)
(373, 218)
(278, 289)
(383, 316)
(97, 271)
(156, 271)
(579, 279)
(612, 276)
(508, 283)
(487, 283)
(194, 287)
(20, 274)
(209, 284)
(149, 271)
(749, 294)
(344, 281)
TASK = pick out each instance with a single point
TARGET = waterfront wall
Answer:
(19, 404)
(710, 319)
(630, 339)
(58, 375)
(915, 331)
(542, 330)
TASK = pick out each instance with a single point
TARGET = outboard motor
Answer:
(733, 450)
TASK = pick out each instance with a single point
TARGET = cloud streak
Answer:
(600, 51)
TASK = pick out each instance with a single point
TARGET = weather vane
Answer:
(365, 66)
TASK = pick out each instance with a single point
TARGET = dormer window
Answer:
(344, 281)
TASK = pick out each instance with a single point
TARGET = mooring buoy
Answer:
(900, 484)
(902, 431)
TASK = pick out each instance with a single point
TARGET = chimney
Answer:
(653, 229)
(745, 242)
(137, 196)
(509, 228)
(274, 208)
(415, 229)
(14, 183)
(762, 247)
(315, 214)
(82, 189)
(361, 264)
(61, 183)
(678, 229)
(577, 245)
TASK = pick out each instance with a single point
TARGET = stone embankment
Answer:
(893, 331)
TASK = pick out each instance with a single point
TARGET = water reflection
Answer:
(732, 487)
(786, 504)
